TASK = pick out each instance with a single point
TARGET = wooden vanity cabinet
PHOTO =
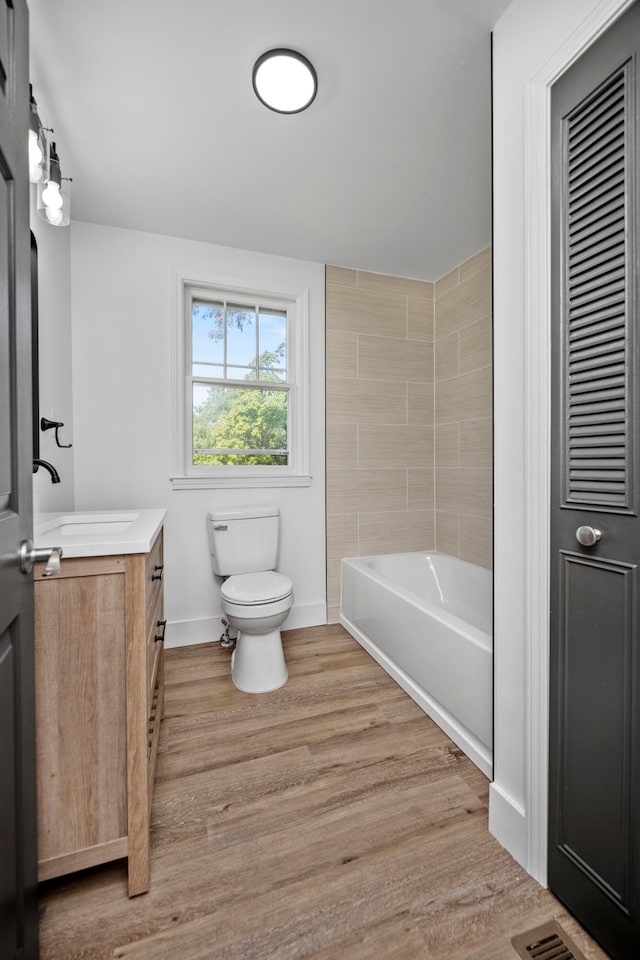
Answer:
(99, 635)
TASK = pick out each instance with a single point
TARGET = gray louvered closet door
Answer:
(594, 802)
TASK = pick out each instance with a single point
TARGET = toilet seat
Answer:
(256, 588)
(252, 613)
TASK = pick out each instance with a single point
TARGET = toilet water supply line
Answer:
(227, 641)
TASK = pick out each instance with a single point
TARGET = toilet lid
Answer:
(256, 587)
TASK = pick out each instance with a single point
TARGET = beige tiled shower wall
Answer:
(463, 411)
(406, 469)
(380, 428)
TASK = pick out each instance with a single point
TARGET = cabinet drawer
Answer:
(154, 574)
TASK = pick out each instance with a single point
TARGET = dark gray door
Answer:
(594, 803)
(18, 859)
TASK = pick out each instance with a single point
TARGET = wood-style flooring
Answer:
(328, 819)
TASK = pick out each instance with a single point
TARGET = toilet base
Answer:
(257, 663)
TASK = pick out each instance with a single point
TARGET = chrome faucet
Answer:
(52, 470)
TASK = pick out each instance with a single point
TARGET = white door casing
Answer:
(537, 334)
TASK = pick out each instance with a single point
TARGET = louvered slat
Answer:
(588, 424)
(593, 206)
(596, 150)
(583, 384)
(601, 232)
(607, 321)
(599, 307)
(594, 167)
(609, 468)
(597, 468)
(597, 255)
(589, 361)
(606, 183)
(598, 436)
(598, 106)
(607, 333)
(596, 136)
(594, 284)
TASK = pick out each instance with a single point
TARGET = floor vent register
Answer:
(548, 942)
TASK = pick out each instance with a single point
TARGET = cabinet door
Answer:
(81, 718)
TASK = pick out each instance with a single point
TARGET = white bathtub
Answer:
(427, 619)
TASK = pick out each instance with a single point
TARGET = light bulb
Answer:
(35, 172)
(35, 150)
(54, 216)
(51, 196)
(284, 81)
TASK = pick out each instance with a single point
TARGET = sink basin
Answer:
(81, 524)
(87, 524)
(69, 524)
(98, 533)
(98, 526)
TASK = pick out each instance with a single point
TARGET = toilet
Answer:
(243, 542)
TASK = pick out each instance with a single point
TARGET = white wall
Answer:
(533, 42)
(121, 283)
(54, 307)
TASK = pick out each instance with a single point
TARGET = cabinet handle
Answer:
(158, 575)
(160, 637)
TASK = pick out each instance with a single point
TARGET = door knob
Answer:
(30, 555)
(588, 536)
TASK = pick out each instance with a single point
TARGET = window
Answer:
(241, 387)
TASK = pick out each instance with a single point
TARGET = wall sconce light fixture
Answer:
(53, 201)
(53, 204)
(285, 81)
(36, 141)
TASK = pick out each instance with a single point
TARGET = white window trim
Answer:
(296, 473)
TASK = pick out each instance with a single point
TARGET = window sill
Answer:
(212, 483)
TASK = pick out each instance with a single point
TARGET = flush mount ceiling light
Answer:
(284, 81)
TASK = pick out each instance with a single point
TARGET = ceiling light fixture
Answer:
(284, 81)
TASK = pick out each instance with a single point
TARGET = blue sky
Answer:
(241, 345)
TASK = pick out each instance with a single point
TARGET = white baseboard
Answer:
(507, 823)
(186, 633)
(306, 615)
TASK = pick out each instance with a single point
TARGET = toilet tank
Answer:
(243, 539)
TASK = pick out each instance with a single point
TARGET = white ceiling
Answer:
(156, 121)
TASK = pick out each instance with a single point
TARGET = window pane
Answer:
(255, 460)
(239, 419)
(207, 333)
(273, 344)
(240, 373)
(208, 370)
(241, 336)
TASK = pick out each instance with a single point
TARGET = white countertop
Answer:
(98, 533)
